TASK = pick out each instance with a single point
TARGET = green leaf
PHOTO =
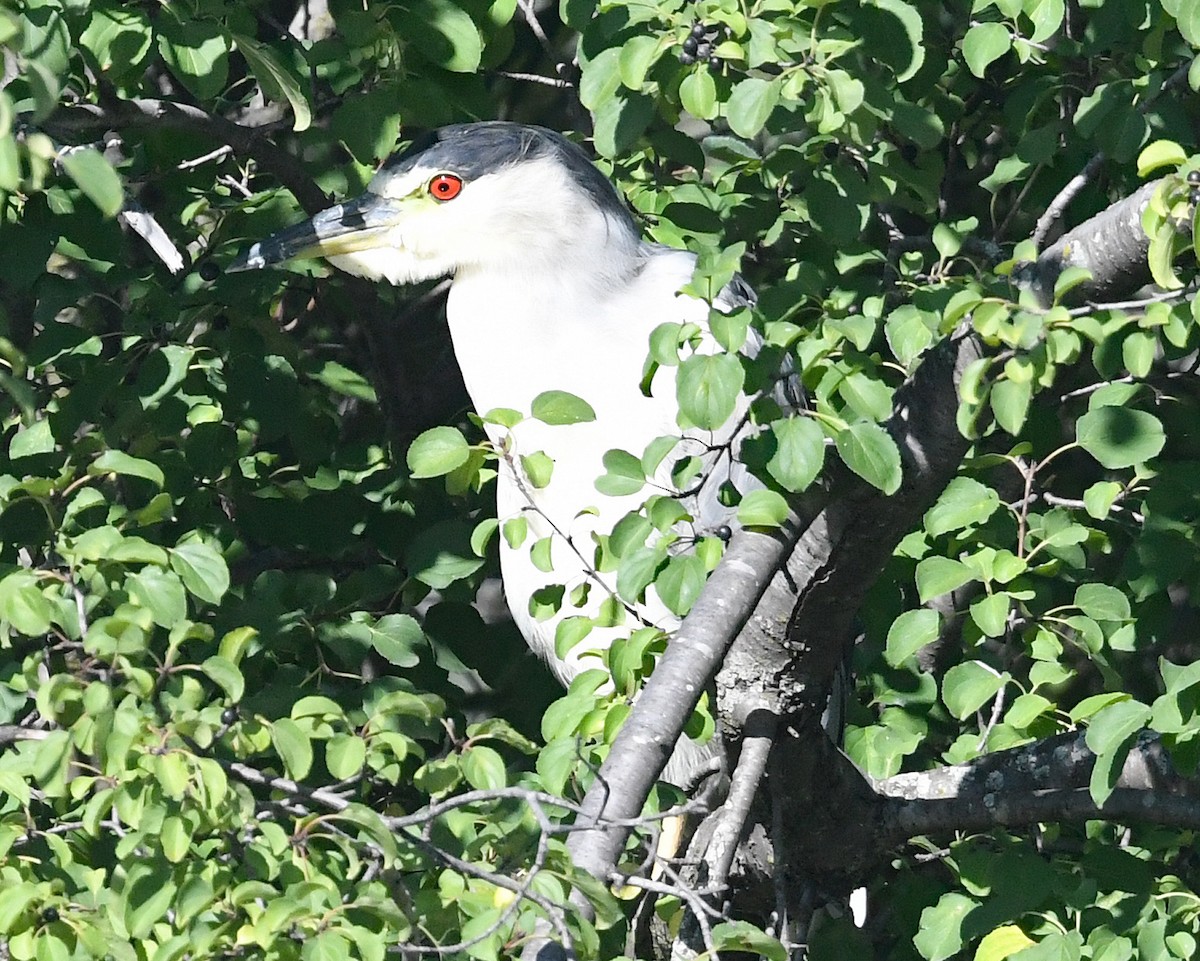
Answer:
(1002, 942)
(908, 333)
(337, 377)
(1120, 436)
(293, 746)
(601, 78)
(799, 453)
(620, 121)
(569, 633)
(938, 575)
(1026, 709)
(707, 387)
(762, 508)
(161, 593)
(1098, 499)
(968, 686)
(147, 895)
(681, 582)
(345, 755)
(1160, 153)
(440, 555)
(1010, 403)
(698, 93)
(939, 935)
(1116, 723)
(538, 468)
(964, 502)
(175, 839)
(983, 44)
(1102, 602)
(637, 570)
(867, 397)
(118, 37)
(18, 897)
(442, 33)
(1092, 705)
(541, 554)
(37, 438)
(638, 55)
(1047, 17)
(515, 529)
(910, 632)
(195, 51)
(118, 462)
(1187, 19)
(869, 451)
(437, 451)
(1139, 351)
(990, 614)
(481, 536)
(483, 768)
(397, 637)
(225, 674)
(204, 571)
(94, 175)
(623, 474)
(276, 81)
(23, 605)
(894, 32)
(559, 407)
(730, 329)
(1110, 734)
(745, 937)
(750, 105)
(1165, 245)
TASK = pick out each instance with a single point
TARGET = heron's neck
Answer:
(523, 328)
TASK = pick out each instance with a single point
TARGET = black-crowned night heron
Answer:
(553, 289)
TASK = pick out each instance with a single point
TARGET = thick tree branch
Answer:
(1044, 781)
(1111, 245)
(146, 112)
(646, 740)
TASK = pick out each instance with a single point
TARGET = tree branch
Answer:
(1111, 245)
(640, 751)
(146, 112)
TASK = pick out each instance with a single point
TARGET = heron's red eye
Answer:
(445, 187)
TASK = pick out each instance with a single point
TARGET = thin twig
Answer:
(218, 154)
(752, 764)
(1073, 186)
(1057, 207)
(536, 78)
(997, 708)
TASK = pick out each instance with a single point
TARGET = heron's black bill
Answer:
(359, 224)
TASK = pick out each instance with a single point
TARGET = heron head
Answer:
(485, 195)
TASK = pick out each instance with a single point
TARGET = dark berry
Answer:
(1193, 178)
(699, 30)
(1194, 196)
(831, 151)
(724, 533)
(229, 715)
(690, 45)
(687, 58)
(714, 63)
(209, 271)
(50, 915)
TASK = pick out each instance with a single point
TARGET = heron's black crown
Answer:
(472, 150)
